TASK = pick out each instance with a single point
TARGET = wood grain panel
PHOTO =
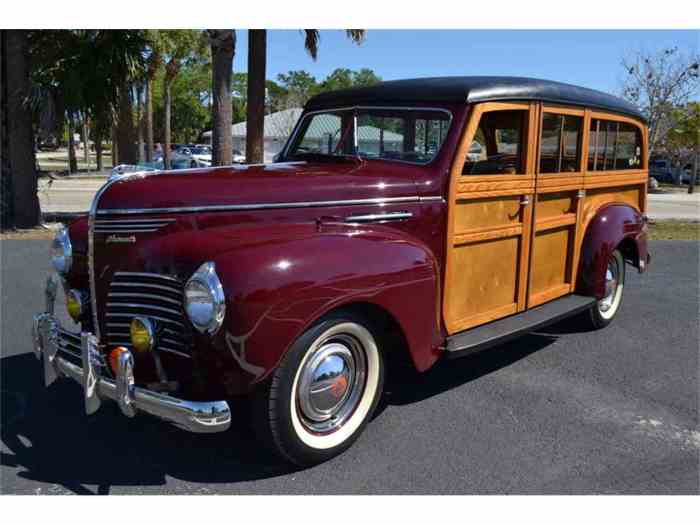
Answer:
(555, 204)
(484, 235)
(488, 281)
(486, 213)
(548, 267)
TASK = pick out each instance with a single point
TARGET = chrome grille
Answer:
(158, 297)
(130, 225)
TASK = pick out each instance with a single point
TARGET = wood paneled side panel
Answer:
(488, 280)
(549, 260)
(595, 198)
(555, 204)
(485, 213)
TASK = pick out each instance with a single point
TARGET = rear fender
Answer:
(613, 226)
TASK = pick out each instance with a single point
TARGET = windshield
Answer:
(390, 134)
(200, 150)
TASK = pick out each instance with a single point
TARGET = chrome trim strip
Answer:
(131, 315)
(268, 206)
(395, 216)
(146, 274)
(139, 305)
(145, 296)
(147, 285)
(134, 221)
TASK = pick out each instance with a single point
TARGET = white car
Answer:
(201, 156)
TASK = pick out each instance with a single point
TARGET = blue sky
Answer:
(587, 58)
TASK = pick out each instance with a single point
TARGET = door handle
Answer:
(524, 200)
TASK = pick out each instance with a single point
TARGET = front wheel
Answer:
(324, 391)
(603, 312)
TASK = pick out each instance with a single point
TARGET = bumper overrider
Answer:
(193, 416)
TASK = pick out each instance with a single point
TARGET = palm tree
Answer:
(178, 47)
(223, 47)
(257, 51)
(20, 206)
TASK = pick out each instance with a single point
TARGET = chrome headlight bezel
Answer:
(61, 252)
(206, 312)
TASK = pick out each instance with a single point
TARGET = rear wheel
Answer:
(324, 391)
(603, 312)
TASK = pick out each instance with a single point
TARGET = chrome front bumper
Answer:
(193, 416)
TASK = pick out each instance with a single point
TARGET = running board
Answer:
(497, 332)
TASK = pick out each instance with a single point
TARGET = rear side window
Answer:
(614, 146)
(561, 143)
(498, 145)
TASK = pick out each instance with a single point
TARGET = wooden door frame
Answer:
(480, 186)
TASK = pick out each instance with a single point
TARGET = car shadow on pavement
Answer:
(405, 386)
(49, 439)
(48, 436)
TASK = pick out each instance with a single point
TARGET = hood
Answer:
(279, 183)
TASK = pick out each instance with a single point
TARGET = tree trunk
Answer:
(223, 45)
(98, 146)
(115, 147)
(86, 142)
(126, 136)
(6, 208)
(72, 159)
(166, 125)
(257, 51)
(24, 202)
(694, 177)
(149, 120)
(140, 123)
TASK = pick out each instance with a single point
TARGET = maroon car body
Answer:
(358, 245)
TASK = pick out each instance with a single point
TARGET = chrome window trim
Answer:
(379, 217)
(270, 205)
(303, 116)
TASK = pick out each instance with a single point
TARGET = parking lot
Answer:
(561, 411)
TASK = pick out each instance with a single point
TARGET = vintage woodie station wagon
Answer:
(425, 218)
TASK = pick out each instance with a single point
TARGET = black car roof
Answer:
(473, 89)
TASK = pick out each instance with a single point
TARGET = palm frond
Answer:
(356, 35)
(311, 40)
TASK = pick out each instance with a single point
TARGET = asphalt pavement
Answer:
(563, 411)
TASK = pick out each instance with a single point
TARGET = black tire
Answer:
(278, 416)
(596, 317)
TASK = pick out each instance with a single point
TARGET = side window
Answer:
(614, 146)
(560, 143)
(498, 145)
(629, 147)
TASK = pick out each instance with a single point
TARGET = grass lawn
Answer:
(672, 230)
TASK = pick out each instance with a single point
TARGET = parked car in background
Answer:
(238, 157)
(661, 170)
(290, 285)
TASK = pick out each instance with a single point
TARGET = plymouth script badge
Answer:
(118, 239)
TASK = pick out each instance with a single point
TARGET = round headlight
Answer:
(61, 252)
(205, 303)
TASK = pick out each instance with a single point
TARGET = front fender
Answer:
(613, 226)
(276, 288)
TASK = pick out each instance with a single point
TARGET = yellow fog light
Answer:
(142, 334)
(74, 304)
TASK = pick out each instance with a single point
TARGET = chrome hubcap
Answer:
(611, 279)
(331, 383)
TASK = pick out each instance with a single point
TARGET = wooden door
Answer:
(492, 184)
(559, 193)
